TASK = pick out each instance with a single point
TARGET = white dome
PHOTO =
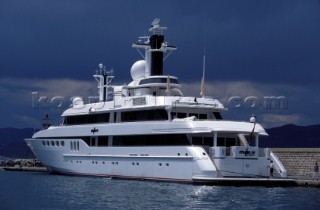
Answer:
(77, 102)
(138, 69)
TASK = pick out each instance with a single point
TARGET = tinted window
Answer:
(151, 140)
(158, 80)
(145, 115)
(87, 119)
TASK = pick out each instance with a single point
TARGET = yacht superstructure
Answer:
(149, 130)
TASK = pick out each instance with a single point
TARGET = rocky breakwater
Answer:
(21, 165)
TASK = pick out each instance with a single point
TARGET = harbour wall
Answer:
(298, 161)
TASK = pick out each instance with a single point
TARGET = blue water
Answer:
(33, 190)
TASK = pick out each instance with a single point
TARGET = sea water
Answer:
(35, 190)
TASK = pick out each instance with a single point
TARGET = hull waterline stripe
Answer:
(127, 177)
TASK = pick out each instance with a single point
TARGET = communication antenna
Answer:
(202, 93)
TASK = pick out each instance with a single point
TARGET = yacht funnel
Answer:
(156, 54)
(154, 47)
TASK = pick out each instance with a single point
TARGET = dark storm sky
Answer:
(269, 47)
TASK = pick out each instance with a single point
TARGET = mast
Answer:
(203, 76)
(104, 79)
(156, 41)
(154, 47)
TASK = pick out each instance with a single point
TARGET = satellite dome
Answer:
(138, 69)
(77, 102)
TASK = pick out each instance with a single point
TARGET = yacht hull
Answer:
(187, 164)
(166, 163)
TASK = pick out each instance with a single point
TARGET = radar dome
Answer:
(77, 102)
(138, 69)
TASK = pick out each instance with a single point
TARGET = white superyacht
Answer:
(149, 130)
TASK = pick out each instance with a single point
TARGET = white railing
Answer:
(278, 165)
(264, 152)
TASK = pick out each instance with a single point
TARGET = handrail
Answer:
(211, 155)
(278, 165)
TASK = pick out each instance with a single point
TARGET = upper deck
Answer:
(147, 102)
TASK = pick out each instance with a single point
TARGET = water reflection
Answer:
(44, 191)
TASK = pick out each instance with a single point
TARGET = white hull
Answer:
(160, 163)
(170, 163)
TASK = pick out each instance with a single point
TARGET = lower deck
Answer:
(187, 163)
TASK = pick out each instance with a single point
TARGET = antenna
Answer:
(203, 75)
(202, 93)
(155, 22)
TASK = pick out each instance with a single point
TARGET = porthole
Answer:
(133, 164)
(178, 154)
(62, 143)
(160, 164)
(92, 162)
(52, 143)
(186, 154)
(48, 143)
(137, 164)
(57, 143)
(167, 164)
(204, 154)
(43, 143)
(103, 162)
(112, 163)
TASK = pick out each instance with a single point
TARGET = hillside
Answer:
(12, 142)
(292, 136)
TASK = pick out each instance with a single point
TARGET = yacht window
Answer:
(151, 140)
(194, 114)
(217, 115)
(71, 145)
(157, 80)
(103, 141)
(202, 116)
(208, 141)
(220, 141)
(230, 142)
(197, 140)
(181, 115)
(93, 141)
(145, 115)
(86, 140)
(87, 119)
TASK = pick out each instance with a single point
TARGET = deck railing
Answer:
(278, 165)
